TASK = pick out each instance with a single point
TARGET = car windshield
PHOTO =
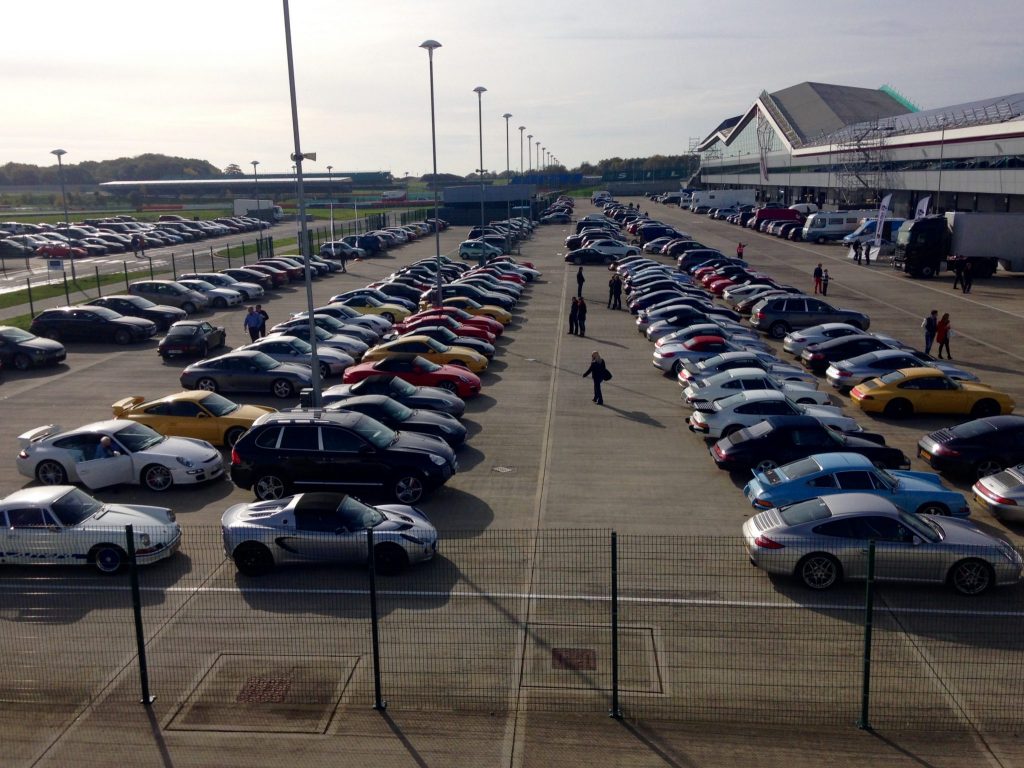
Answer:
(264, 362)
(326, 321)
(436, 345)
(423, 364)
(16, 334)
(396, 410)
(301, 345)
(219, 405)
(402, 387)
(138, 437)
(804, 512)
(889, 378)
(372, 430)
(202, 285)
(140, 302)
(182, 330)
(926, 529)
(794, 470)
(357, 516)
(74, 507)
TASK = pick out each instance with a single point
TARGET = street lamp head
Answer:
(58, 152)
(254, 163)
(430, 45)
(507, 115)
(522, 128)
(479, 90)
(529, 136)
(330, 168)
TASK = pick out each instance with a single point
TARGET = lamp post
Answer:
(330, 198)
(508, 178)
(480, 91)
(942, 149)
(529, 152)
(64, 200)
(431, 46)
(298, 157)
(521, 129)
(256, 192)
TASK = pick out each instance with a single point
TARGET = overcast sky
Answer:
(590, 80)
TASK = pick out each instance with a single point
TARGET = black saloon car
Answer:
(977, 448)
(91, 324)
(402, 418)
(191, 337)
(22, 350)
(246, 275)
(779, 440)
(163, 315)
(818, 357)
(429, 398)
(290, 452)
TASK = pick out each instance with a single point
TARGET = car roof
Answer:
(40, 495)
(858, 503)
(841, 460)
(309, 416)
(189, 395)
(761, 394)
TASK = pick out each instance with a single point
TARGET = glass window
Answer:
(75, 506)
(825, 481)
(338, 440)
(268, 437)
(804, 512)
(298, 437)
(28, 518)
(855, 480)
(797, 469)
(842, 528)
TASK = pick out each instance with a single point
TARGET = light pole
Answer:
(64, 201)
(330, 198)
(431, 46)
(529, 152)
(538, 156)
(521, 129)
(508, 178)
(256, 191)
(480, 91)
(298, 157)
(942, 149)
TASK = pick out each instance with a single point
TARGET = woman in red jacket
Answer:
(942, 333)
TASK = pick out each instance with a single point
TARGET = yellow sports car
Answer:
(433, 350)
(927, 390)
(503, 316)
(368, 305)
(200, 414)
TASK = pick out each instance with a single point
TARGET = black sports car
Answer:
(22, 350)
(818, 357)
(85, 323)
(191, 337)
(429, 398)
(402, 418)
(976, 448)
(779, 440)
(137, 306)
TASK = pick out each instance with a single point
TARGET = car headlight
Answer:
(438, 460)
(184, 462)
(143, 539)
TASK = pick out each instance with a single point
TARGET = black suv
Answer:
(293, 452)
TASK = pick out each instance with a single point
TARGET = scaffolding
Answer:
(861, 165)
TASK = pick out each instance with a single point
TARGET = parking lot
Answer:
(546, 475)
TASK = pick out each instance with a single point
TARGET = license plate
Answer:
(924, 454)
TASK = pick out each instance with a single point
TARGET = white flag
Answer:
(922, 207)
(883, 212)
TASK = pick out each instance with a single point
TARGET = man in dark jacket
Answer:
(583, 317)
(580, 280)
(574, 315)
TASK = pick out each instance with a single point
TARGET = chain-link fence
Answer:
(659, 627)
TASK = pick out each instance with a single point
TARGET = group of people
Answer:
(578, 316)
(862, 250)
(255, 322)
(937, 329)
(821, 279)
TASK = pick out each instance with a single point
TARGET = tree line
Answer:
(148, 166)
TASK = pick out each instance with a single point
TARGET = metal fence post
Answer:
(194, 267)
(124, 270)
(99, 288)
(869, 611)
(140, 635)
(67, 296)
(378, 703)
(616, 710)
(31, 305)
(174, 267)
(212, 267)
(152, 275)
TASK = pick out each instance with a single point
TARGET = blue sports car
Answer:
(828, 473)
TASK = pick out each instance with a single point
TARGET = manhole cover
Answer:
(583, 659)
(503, 469)
(264, 690)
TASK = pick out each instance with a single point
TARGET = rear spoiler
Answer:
(34, 435)
(125, 404)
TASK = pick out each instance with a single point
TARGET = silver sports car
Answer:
(1002, 493)
(325, 527)
(824, 540)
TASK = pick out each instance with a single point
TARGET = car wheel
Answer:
(778, 330)
(449, 386)
(207, 384)
(408, 489)
(926, 272)
(220, 303)
(389, 559)
(677, 366)
(766, 465)
(806, 401)
(157, 477)
(51, 473)
(971, 577)
(108, 558)
(987, 467)
(933, 508)
(819, 571)
(985, 408)
(252, 559)
(388, 316)
(820, 240)
(232, 435)
(898, 408)
(282, 388)
(22, 361)
(189, 308)
(325, 370)
(122, 337)
(268, 487)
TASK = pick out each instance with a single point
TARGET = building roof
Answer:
(818, 109)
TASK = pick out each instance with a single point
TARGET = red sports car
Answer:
(419, 372)
(432, 318)
(279, 276)
(481, 321)
(61, 251)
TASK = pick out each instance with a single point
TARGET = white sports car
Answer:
(728, 383)
(137, 455)
(723, 417)
(63, 525)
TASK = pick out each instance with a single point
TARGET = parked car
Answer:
(402, 418)
(136, 455)
(314, 450)
(797, 341)
(846, 374)
(831, 473)
(1002, 493)
(723, 417)
(191, 337)
(818, 357)
(170, 293)
(420, 372)
(824, 541)
(909, 391)
(247, 371)
(246, 275)
(325, 528)
(474, 249)
(977, 448)
(727, 383)
(201, 415)
(398, 389)
(747, 359)
(780, 315)
(135, 306)
(249, 290)
(430, 349)
(85, 323)
(293, 349)
(23, 350)
(219, 298)
(63, 525)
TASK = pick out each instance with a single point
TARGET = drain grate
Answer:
(264, 690)
(581, 659)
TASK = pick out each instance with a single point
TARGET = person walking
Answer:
(252, 323)
(135, 245)
(817, 274)
(930, 325)
(263, 319)
(582, 316)
(967, 278)
(574, 316)
(739, 250)
(343, 258)
(616, 292)
(867, 254)
(943, 331)
(598, 372)
(958, 271)
(611, 290)
(580, 280)
(824, 282)
(856, 251)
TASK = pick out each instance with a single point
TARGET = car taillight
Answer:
(717, 450)
(235, 458)
(763, 504)
(992, 495)
(765, 543)
(798, 339)
(759, 315)
(945, 450)
(816, 356)
(843, 374)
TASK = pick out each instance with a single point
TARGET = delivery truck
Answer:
(261, 209)
(986, 240)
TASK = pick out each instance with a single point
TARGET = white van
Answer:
(831, 226)
(866, 231)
